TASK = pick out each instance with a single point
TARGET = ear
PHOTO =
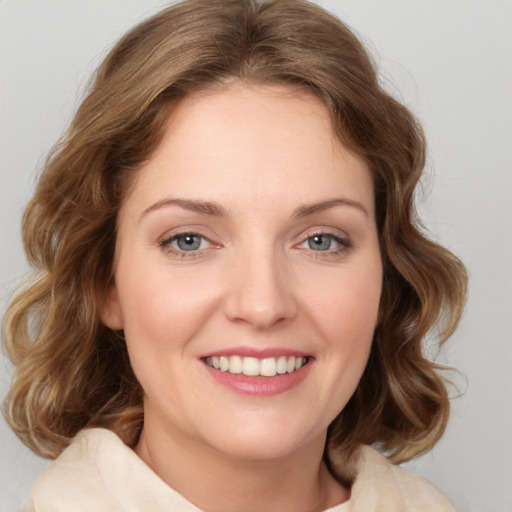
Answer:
(111, 314)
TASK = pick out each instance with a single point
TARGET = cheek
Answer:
(162, 314)
(348, 302)
(163, 310)
(345, 315)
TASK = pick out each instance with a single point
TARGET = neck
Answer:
(214, 481)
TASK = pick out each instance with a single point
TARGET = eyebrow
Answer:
(206, 207)
(310, 209)
(216, 210)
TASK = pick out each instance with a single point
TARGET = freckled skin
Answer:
(260, 153)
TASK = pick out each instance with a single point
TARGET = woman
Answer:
(231, 288)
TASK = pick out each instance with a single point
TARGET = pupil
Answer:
(189, 242)
(320, 243)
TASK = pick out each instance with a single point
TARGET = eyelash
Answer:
(166, 244)
(344, 244)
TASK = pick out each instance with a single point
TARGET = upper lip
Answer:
(257, 352)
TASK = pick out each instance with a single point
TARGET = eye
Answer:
(321, 242)
(186, 242)
(325, 242)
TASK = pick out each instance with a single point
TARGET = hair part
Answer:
(73, 372)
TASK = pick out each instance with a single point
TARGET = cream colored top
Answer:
(99, 473)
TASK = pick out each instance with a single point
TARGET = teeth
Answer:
(281, 365)
(224, 364)
(252, 367)
(235, 364)
(268, 367)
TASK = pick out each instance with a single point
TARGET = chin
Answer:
(260, 440)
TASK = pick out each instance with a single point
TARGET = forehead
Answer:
(256, 143)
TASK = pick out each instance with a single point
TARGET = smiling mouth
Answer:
(254, 367)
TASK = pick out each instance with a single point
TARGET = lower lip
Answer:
(259, 386)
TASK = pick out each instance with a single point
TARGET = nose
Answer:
(261, 292)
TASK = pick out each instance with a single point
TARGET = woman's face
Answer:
(247, 273)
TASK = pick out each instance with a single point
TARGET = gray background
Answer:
(450, 61)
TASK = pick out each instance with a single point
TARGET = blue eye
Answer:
(186, 242)
(321, 242)
(327, 243)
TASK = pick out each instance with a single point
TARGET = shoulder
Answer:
(99, 472)
(76, 475)
(380, 486)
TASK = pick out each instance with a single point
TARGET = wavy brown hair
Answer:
(73, 372)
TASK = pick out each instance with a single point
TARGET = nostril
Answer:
(259, 292)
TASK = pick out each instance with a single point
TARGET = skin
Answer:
(262, 156)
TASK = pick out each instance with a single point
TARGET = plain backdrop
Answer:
(450, 61)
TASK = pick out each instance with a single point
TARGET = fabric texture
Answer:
(99, 473)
